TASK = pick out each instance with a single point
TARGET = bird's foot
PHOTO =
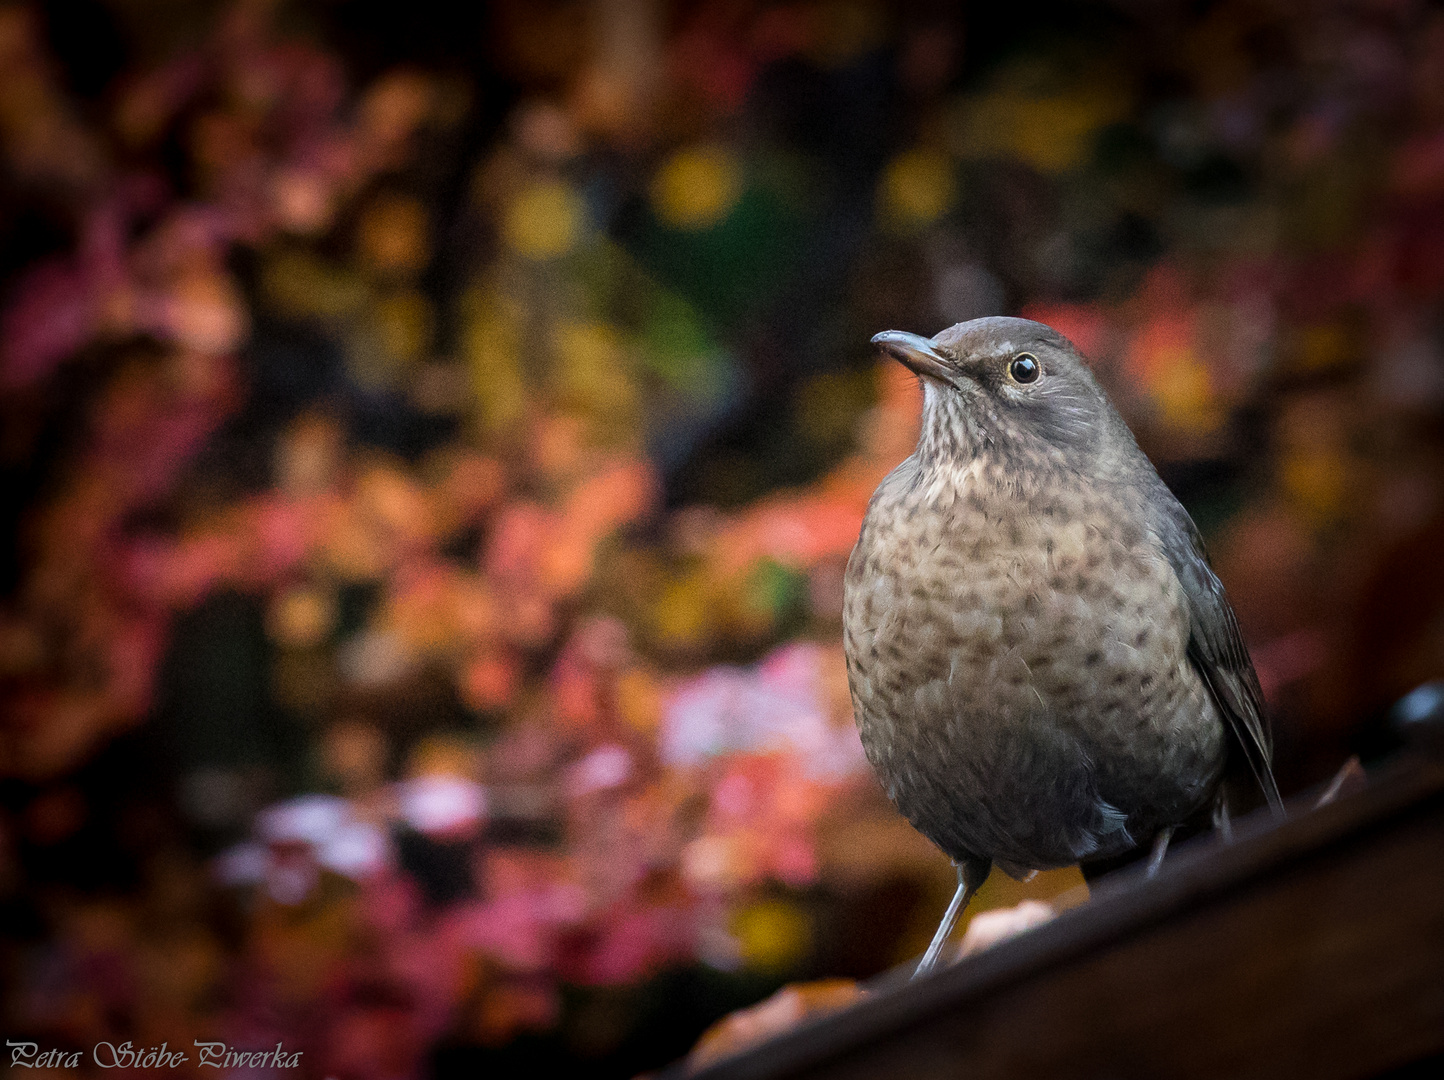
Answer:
(1160, 848)
(1222, 823)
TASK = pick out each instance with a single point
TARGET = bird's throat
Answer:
(950, 434)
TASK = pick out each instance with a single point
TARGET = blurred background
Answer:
(433, 435)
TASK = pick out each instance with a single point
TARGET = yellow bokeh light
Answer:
(1317, 480)
(300, 618)
(1048, 127)
(639, 700)
(1183, 390)
(680, 616)
(697, 187)
(544, 220)
(917, 188)
(491, 341)
(772, 934)
(404, 324)
(591, 371)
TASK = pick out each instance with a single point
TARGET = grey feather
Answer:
(1215, 644)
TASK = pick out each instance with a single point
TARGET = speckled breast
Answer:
(1019, 671)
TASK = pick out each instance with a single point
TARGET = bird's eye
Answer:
(1025, 368)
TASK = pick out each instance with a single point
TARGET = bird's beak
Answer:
(919, 354)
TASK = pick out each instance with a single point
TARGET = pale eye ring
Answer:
(1025, 368)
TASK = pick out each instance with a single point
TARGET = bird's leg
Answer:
(945, 928)
(1221, 821)
(971, 874)
(1160, 847)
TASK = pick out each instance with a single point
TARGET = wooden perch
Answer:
(1312, 949)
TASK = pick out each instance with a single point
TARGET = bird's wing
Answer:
(1215, 644)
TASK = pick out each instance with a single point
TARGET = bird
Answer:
(1044, 667)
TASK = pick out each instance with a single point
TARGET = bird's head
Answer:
(1010, 388)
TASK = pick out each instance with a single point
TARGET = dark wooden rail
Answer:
(1312, 949)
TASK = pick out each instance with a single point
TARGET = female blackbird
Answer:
(1044, 668)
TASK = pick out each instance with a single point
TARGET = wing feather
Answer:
(1215, 644)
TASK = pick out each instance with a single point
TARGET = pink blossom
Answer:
(442, 805)
(604, 768)
(391, 902)
(61, 304)
(778, 706)
(134, 652)
(280, 528)
(513, 930)
(575, 692)
(630, 942)
(519, 533)
(794, 860)
(489, 680)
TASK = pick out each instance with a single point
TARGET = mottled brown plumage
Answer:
(1044, 669)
